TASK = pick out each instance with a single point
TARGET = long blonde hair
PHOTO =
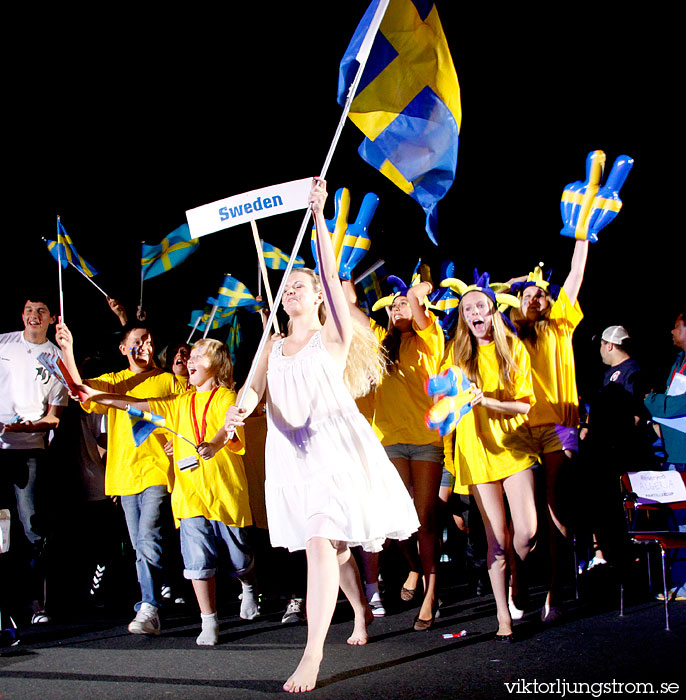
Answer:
(220, 361)
(466, 349)
(365, 364)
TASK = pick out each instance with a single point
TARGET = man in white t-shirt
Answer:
(31, 401)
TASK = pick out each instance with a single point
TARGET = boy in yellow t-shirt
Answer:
(140, 475)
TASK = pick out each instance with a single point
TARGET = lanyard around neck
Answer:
(200, 432)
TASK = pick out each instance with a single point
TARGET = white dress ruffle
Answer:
(327, 474)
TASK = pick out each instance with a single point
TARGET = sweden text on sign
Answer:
(242, 208)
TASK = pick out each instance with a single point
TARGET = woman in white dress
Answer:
(329, 484)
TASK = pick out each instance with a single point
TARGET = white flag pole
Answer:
(195, 328)
(208, 325)
(362, 56)
(263, 270)
(369, 271)
(59, 270)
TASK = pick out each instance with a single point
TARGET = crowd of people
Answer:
(348, 463)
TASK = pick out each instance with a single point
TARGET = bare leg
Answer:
(556, 463)
(408, 547)
(352, 588)
(489, 498)
(426, 477)
(323, 578)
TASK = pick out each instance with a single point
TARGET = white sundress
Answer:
(327, 474)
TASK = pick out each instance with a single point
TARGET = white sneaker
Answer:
(376, 605)
(147, 621)
(295, 612)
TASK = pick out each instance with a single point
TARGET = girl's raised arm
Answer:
(338, 326)
(575, 277)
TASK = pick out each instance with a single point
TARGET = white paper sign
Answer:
(243, 208)
(658, 487)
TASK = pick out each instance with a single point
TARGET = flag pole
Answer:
(195, 328)
(369, 271)
(140, 314)
(208, 324)
(263, 270)
(59, 269)
(362, 56)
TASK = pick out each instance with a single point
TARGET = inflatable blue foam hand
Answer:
(449, 383)
(577, 198)
(335, 226)
(606, 203)
(446, 413)
(356, 242)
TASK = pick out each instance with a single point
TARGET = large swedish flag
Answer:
(173, 250)
(408, 102)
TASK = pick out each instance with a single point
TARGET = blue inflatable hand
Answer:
(606, 204)
(350, 242)
(585, 206)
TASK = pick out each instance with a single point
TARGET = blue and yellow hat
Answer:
(399, 288)
(495, 291)
(536, 279)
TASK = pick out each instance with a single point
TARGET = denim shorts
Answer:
(202, 541)
(447, 479)
(415, 453)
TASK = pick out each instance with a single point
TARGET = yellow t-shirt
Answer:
(130, 469)
(481, 453)
(552, 367)
(217, 488)
(401, 402)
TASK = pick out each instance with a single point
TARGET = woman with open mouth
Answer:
(482, 457)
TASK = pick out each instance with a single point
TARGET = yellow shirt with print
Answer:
(553, 373)
(129, 469)
(478, 451)
(217, 488)
(401, 402)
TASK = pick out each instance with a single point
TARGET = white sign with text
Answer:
(658, 487)
(249, 206)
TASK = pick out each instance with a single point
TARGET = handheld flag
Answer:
(350, 241)
(234, 336)
(453, 390)
(276, 259)
(586, 207)
(408, 102)
(233, 293)
(172, 251)
(200, 319)
(371, 286)
(67, 253)
(143, 423)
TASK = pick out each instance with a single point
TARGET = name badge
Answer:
(187, 463)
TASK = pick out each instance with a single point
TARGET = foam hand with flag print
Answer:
(586, 207)
(453, 391)
(350, 241)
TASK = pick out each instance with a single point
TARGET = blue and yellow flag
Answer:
(67, 253)
(172, 251)
(276, 259)
(233, 293)
(234, 336)
(143, 423)
(371, 288)
(408, 102)
(222, 316)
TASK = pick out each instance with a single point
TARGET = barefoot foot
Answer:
(304, 677)
(359, 637)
